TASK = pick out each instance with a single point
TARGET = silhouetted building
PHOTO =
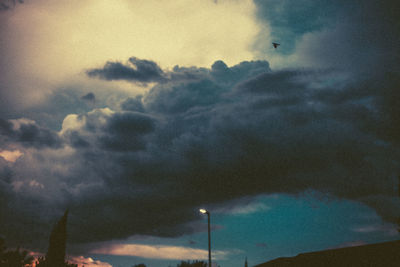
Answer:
(375, 255)
(245, 263)
(55, 256)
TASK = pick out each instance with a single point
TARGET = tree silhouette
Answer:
(13, 258)
(139, 265)
(41, 262)
(2, 250)
(55, 256)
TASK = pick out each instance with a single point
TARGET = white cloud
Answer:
(249, 208)
(159, 252)
(243, 207)
(88, 262)
(386, 228)
(350, 244)
(72, 122)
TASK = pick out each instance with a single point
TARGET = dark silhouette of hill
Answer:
(375, 255)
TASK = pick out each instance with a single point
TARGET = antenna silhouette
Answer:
(398, 191)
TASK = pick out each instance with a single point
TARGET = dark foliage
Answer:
(42, 262)
(13, 258)
(192, 264)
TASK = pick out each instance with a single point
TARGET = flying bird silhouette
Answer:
(275, 45)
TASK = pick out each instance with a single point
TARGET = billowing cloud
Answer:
(206, 136)
(133, 104)
(330, 34)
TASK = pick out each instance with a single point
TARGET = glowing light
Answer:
(203, 211)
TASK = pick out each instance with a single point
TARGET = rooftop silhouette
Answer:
(379, 255)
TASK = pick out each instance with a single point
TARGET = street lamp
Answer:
(204, 211)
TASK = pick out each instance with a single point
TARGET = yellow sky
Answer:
(71, 35)
(46, 42)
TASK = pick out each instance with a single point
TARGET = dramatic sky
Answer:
(135, 114)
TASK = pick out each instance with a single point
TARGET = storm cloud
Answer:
(215, 137)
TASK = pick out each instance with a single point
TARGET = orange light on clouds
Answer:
(88, 262)
(11, 156)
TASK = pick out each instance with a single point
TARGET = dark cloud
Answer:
(289, 20)
(57, 106)
(177, 98)
(77, 141)
(28, 133)
(209, 138)
(9, 4)
(360, 39)
(133, 104)
(139, 70)
(363, 39)
(124, 131)
(192, 88)
(149, 71)
(69, 99)
(89, 97)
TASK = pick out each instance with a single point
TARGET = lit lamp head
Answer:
(204, 211)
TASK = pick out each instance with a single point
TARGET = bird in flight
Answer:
(275, 45)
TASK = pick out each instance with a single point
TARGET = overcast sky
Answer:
(135, 114)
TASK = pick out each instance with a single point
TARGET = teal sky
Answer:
(277, 226)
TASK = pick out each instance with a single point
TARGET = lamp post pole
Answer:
(209, 235)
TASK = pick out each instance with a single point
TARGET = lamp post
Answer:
(204, 211)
